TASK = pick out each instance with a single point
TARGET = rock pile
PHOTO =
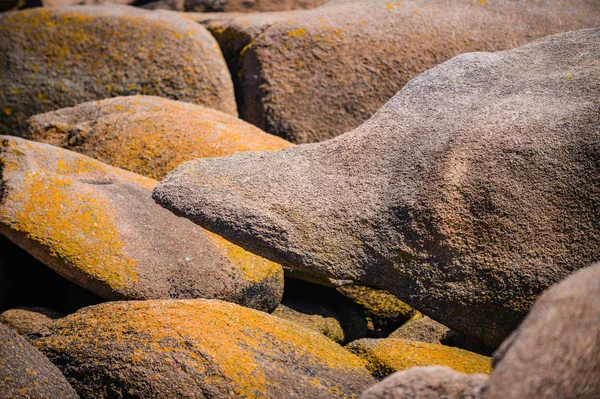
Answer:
(439, 250)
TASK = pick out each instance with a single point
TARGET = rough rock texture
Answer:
(26, 373)
(422, 329)
(470, 192)
(386, 356)
(554, 352)
(309, 76)
(148, 135)
(232, 5)
(312, 315)
(427, 383)
(52, 58)
(98, 226)
(197, 349)
(24, 320)
(384, 312)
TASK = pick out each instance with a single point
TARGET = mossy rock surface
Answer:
(98, 226)
(52, 58)
(386, 356)
(197, 349)
(26, 373)
(148, 135)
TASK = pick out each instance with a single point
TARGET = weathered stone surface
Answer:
(554, 352)
(52, 58)
(427, 383)
(422, 329)
(470, 192)
(148, 135)
(311, 75)
(388, 355)
(384, 312)
(196, 349)
(312, 315)
(232, 5)
(98, 226)
(26, 373)
(24, 320)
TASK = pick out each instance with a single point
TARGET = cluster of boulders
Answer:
(155, 245)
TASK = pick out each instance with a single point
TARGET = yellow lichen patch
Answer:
(377, 302)
(224, 345)
(252, 267)
(150, 135)
(386, 356)
(297, 33)
(77, 227)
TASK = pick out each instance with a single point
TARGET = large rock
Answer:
(196, 349)
(470, 192)
(554, 352)
(427, 383)
(98, 226)
(388, 355)
(311, 75)
(52, 58)
(26, 373)
(148, 135)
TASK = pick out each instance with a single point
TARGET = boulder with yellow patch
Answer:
(98, 226)
(386, 356)
(197, 349)
(148, 135)
(57, 57)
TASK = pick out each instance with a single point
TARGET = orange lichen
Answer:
(386, 356)
(151, 136)
(74, 224)
(251, 267)
(222, 344)
(299, 32)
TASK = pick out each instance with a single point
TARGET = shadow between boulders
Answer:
(26, 282)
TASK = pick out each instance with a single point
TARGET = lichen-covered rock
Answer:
(232, 5)
(24, 320)
(427, 383)
(26, 373)
(388, 355)
(148, 135)
(554, 352)
(469, 193)
(384, 312)
(196, 349)
(311, 75)
(52, 58)
(98, 226)
(312, 315)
